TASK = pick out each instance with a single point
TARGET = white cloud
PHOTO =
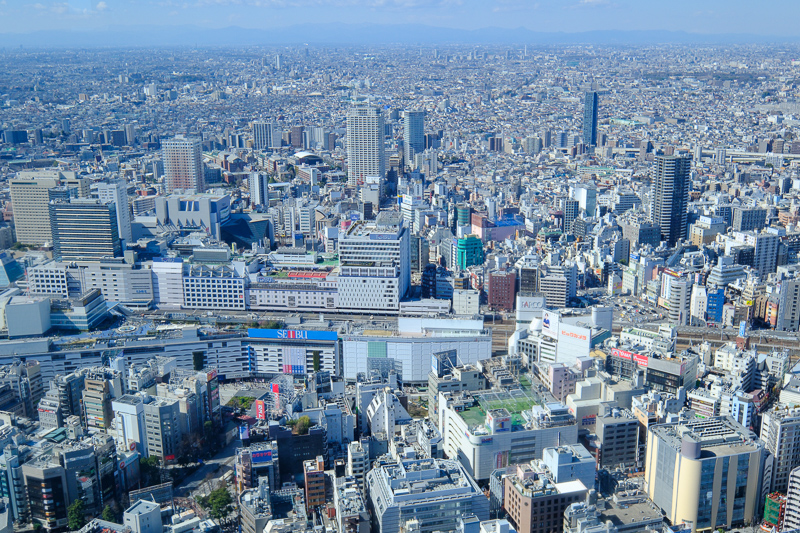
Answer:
(101, 6)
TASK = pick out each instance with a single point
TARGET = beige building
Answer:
(30, 196)
(707, 471)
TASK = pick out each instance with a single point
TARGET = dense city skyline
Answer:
(399, 266)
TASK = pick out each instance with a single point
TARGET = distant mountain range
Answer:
(358, 34)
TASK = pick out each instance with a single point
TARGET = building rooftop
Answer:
(349, 500)
(141, 507)
(718, 436)
(425, 478)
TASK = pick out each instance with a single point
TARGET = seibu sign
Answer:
(639, 359)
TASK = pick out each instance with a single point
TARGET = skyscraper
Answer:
(590, 119)
(779, 431)
(183, 165)
(259, 188)
(671, 196)
(117, 191)
(413, 135)
(84, 229)
(264, 135)
(571, 209)
(374, 264)
(30, 197)
(365, 147)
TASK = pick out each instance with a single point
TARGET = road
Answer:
(224, 458)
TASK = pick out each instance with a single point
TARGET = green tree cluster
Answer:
(302, 425)
(76, 517)
(149, 471)
(217, 502)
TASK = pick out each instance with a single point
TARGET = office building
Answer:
(183, 165)
(30, 198)
(413, 135)
(763, 248)
(162, 428)
(492, 430)
(49, 410)
(366, 157)
(116, 191)
(501, 289)
(435, 492)
(12, 482)
(259, 189)
(314, 479)
(351, 510)
(705, 471)
(97, 401)
(780, 433)
(84, 229)
(255, 507)
(46, 483)
(706, 229)
(586, 195)
(640, 232)
(535, 503)
(264, 135)
(749, 219)
(469, 252)
(213, 287)
(571, 462)
(558, 284)
(590, 105)
(188, 213)
(617, 440)
(671, 184)
(358, 464)
(375, 265)
(791, 516)
(788, 305)
(571, 210)
(26, 383)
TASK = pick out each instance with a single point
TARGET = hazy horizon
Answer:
(570, 16)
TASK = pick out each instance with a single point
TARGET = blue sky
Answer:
(699, 16)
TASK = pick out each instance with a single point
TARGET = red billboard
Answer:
(639, 359)
(261, 410)
(621, 353)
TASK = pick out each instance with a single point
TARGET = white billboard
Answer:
(573, 342)
(529, 307)
(550, 320)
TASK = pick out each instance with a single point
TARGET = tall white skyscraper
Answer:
(365, 147)
(259, 188)
(413, 135)
(183, 165)
(374, 262)
(117, 191)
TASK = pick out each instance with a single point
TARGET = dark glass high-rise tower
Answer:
(590, 104)
(671, 183)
